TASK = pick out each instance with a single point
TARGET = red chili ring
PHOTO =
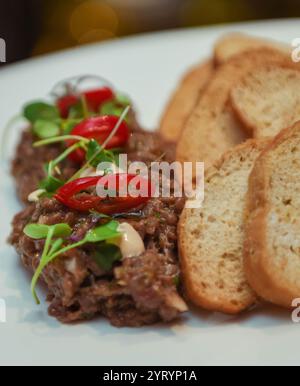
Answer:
(66, 194)
(99, 128)
(94, 98)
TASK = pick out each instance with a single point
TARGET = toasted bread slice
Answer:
(211, 238)
(268, 99)
(272, 234)
(211, 129)
(237, 43)
(184, 100)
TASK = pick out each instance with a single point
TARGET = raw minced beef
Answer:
(137, 291)
(28, 164)
(143, 286)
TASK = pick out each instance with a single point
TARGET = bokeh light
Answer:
(51, 25)
(96, 35)
(216, 11)
(91, 19)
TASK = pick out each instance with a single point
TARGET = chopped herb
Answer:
(176, 280)
(129, 215)
(106, 255)
(99, 215)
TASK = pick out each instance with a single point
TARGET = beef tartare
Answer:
(115, 257)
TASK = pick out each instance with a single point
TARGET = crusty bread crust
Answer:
(211, 129)
(193, 84)
(262, 107)
(266, 279)
(236, 43)
(184, 100)
(238, 296)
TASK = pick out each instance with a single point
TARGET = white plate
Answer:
(148, 68)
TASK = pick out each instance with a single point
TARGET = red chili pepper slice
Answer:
(99, 128)
(94, 98)
(105, 204)
(65, 103)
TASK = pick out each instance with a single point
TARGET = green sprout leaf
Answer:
(42, 264)
(45, 129)
(62, 230)
(69, 124)
(123, 100)
(103, 156)
(40, 231)
(115, 106)
(55, 248)
(40, 111)
(106, 255)
(103, 232)
(110, 108)
(76, 111)
(51, 184)
(92, 148)
(36, 231)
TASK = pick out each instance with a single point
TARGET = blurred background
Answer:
(35, 27)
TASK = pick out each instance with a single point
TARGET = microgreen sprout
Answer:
(51, 183)
(40, 111)
(56, 238)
